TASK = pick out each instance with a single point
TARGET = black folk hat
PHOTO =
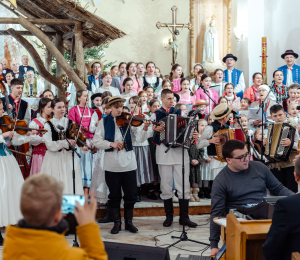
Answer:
(177, 97)
(96, 95)
(229, 56)
(289, 52)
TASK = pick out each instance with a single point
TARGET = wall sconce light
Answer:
(239, 34)
(168, 43)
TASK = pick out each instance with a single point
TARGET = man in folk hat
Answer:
(95, 67)
(232, 75)
(207, 139)
(290, 70)
(119, 162)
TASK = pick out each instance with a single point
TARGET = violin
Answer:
(75, 133)
(125, 118)
(20, 126)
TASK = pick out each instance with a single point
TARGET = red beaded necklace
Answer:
(278, 90)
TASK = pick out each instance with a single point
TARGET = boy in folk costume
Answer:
(96, 66)
(171, 162)
(290, 70)
(119, 164)
(207, 139)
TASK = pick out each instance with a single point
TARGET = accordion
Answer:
(228, 134)
(276, 132)
(173, 126)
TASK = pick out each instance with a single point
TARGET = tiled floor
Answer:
(149, 227)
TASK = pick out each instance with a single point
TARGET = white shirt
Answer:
(127, 97)
(241, 85)
(118, 161)
(94, 121)
(289, 77)
(112, 90)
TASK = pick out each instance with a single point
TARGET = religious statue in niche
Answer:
(175, 43)
(211, 57)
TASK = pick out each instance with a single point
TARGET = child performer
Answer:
(82, 115)
(58, 158)
(37, 140)
(169, 163)
(196, 158)
(106, 81)
(11, 180)
(231, 97)
(245, 104)
(185, 96)
(144, 172)
(194, 73)
(206, 82)
(150, 79)
(144, 102)
(131, 73)
(284, 170)
(182, 107)
(96, 100)
(278, 89)
(293, 117)
(150, 93)
(154, 105)
(292, 96)
(166, 84)
(196, 84)
(128, 90)
(298, 94)
(219, 83)
(202, 104)
(176, 75)
(222, 100)
(119, 164)
(220, 114)
(258, 139)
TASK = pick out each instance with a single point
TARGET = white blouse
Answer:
(112, 90)
(93, 123)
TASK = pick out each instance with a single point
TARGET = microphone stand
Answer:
(74, 150)
(183, 236)
(262, 106)
(205, 92)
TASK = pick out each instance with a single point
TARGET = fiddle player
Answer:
(171, 162)
(58, 158)
(119, 162)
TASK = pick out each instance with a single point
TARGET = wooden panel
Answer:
(296, 256)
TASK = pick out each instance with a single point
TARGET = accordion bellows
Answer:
(276, 133)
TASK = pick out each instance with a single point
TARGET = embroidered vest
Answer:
(295, 73)
(91, 79)
(41, 148)
(235, 76)
(146, 84)
(22, 109)
(109, 135)
(211, 149)
(161, 114)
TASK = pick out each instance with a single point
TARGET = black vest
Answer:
(146, 84)
(22, 109)
(211, 149)
(55, 133)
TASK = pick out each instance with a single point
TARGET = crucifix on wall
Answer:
(173, 28)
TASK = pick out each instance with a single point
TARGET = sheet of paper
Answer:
(254, 115)
(223, 221)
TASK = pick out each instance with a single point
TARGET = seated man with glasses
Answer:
(241, 182)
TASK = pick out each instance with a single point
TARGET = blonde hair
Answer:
(202, 120)
(243, 115)
(256, 131)
(291, 105)
(41, 199)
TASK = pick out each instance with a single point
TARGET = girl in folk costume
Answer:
(58, 158)
(37, 140)
(128, 90)
(222, 100)
(98, 184)
(206, 82)
(82, 115)
(258, 146)
(196, 84)
(150, 79)
(140, 71)
(292, 96)
(293, 117)
(150, 93)
(166, 84)
(154, 105)
(278, 89)
(96, 100)
(194, 73)
(231, 97)
(106, 80)
(252, 92)
(11, 180)
(119, 164)
(157, 72)
(185, 96)
(176, 75)
(263, 91)
(131, 73)
(219, 83)
(144, 172)
(144, 102)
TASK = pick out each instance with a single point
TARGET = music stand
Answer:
(183, 236)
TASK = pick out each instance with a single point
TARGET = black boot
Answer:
(107, 218)
(128, 215)
(116, 216)
(151, 195)
(207, 193)
(168, 204)
(1, 239)
(184, 214)
(138, 197)
(201, 193)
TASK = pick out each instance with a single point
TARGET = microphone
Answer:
(196, 112)
(298, 107)
(59, 127)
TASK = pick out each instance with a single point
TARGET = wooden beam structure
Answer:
(59, 70)
(48, 66)
(39, 21)
(26, 33)
(80, 64)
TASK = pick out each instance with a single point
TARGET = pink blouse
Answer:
(136, 89)
(199, 93)
(176, 84)
(187, 99)
(75, 115)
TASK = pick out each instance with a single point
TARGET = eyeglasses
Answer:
(261, 90)
(243, 158)
(229, 59)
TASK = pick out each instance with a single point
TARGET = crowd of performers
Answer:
(118, 158)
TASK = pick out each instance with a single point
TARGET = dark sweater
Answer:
(231, 189)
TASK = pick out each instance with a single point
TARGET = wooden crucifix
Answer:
(173, 28)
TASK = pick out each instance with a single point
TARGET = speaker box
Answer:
(119, 251)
